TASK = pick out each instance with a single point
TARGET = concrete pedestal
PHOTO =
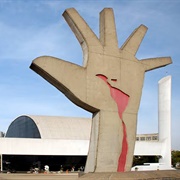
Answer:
(164, 175)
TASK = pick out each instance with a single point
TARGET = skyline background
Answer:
(29, 29)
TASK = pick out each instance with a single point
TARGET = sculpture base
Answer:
(159, 174)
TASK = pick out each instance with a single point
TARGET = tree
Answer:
(175, 158)
(0, 163)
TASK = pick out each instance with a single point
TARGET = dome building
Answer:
(34, 141)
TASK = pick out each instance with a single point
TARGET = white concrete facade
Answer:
(163, 146)
(164, 113)
(27, 146)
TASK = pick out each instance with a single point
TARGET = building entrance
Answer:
(24, 163)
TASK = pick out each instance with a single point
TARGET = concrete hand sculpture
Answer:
(109, 84)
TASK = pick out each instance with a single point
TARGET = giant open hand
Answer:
(110, 80)
(101, 56)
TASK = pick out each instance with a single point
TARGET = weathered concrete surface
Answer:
(140, 175)
(109, 84)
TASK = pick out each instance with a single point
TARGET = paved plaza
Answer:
(72, 176)
(140, 175)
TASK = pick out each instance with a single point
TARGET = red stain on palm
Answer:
(121, 100)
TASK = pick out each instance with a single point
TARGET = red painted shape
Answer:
(114, 80)
(121, 100)
(122, 157)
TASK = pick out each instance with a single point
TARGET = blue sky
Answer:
(33, 28)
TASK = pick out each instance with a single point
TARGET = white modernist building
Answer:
(162, 147)
(61, 140)
(67, 136)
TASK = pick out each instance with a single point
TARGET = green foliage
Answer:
(175, 157)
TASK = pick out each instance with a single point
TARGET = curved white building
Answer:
(50, 127)
(46, 139)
